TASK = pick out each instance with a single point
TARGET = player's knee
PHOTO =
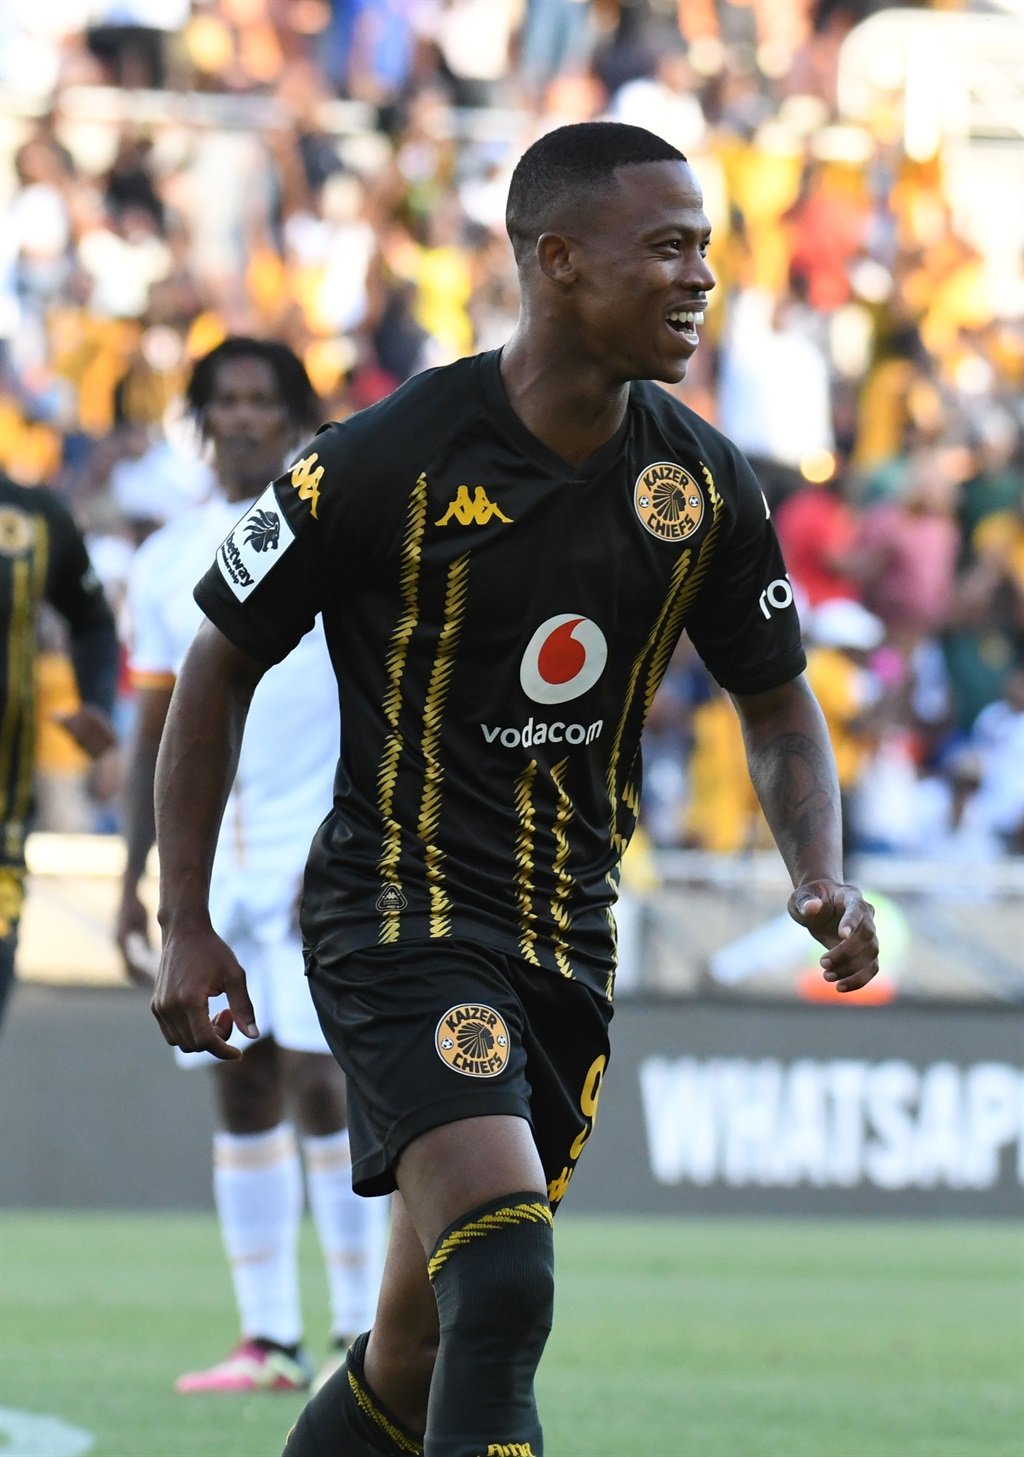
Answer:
(407, 1351)
(493, 1272)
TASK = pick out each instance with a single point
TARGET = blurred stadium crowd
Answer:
(333, 173)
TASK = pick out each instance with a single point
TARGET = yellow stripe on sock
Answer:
(369, 1407)
(513, 1214)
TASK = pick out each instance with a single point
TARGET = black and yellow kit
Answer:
(43, 558)
(499, 623)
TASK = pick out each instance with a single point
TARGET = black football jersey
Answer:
(43, 558)
(499, 622)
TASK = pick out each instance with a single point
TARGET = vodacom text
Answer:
(533, 732)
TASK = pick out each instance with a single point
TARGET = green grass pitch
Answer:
(673, 1338)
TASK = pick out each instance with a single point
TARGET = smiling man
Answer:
(504, 553)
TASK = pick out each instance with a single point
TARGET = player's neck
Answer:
(569, 413)
(236, 491)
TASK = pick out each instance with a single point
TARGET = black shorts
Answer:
(429, 1032)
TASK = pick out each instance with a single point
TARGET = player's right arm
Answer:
(195, 769)
(153, 656)
(131, 929)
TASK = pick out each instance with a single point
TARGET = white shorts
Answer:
(269, 951)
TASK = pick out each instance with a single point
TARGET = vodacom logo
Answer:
(565, 657)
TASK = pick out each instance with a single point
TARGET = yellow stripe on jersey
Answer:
(523, 879)
(657, 652)
(15, 709)
(19, 709)
(613, 931)
(26, 762)
(679, 573)
(565, 882)
(395, 660)
(433, 718)
(683, 600)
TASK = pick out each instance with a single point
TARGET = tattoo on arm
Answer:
(796, 783)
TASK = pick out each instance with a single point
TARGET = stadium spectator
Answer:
(817, 528)
(557, 37)
(985, 630)
(252, 400)
(457, 898)
(292, 198)
(774, 387)
(43, 560)
(842, 637)
(905, 552)
(997, 737)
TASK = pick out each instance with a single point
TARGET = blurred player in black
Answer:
(504, 552)
(43, 558)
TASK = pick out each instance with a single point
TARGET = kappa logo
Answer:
(475, 510)
(668, 501)
(564, 658)
(473, 1040)
(306, 480)
(391, 899)
(263, 530)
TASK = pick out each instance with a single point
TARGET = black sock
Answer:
(345, 1419)
(493, 1276)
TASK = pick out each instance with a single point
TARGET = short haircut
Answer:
(300, 398)
(563, 169)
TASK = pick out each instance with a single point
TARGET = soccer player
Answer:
(504, 552)
(43, 558)
(253, 401)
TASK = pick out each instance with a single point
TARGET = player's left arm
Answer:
(793, 771)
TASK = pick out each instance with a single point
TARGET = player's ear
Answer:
(555, 256)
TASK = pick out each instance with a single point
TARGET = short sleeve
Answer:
(745, 624)
(269, 577)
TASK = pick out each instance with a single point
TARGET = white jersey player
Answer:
(251, 398)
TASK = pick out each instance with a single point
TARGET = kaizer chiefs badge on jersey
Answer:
(15, 532)
(473, 1040)
(668, 501)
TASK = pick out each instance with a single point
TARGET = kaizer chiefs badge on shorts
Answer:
(472, 1040)
(668, 501)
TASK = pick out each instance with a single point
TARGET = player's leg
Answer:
(257, 1179)
(350, 1229)
(482, 1303)
(476, 1194)
(349, 1416)
(434, 1045)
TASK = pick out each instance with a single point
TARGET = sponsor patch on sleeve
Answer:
(254, 544)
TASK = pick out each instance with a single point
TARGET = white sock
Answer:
(351, 1231)
(257, 1185)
